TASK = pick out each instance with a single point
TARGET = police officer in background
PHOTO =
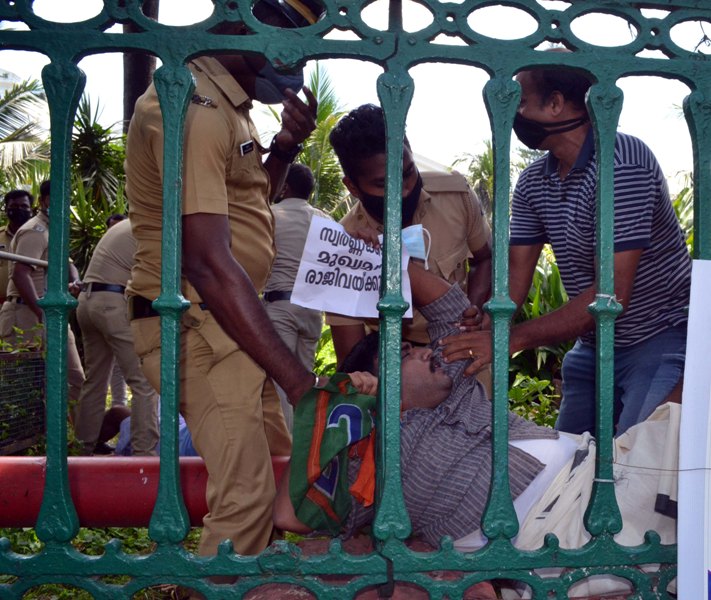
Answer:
(228, 345)
(119, 390)
(21, 318)
(299, 327)
(18, 208)
(107, 338)
(443, 203)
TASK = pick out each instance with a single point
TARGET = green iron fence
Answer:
(395, 51)
(21, 400)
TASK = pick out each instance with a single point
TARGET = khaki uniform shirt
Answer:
(222, 175)
(452, 214)
(113, 257)
(5, 240)
(292, 218)
(31, 240)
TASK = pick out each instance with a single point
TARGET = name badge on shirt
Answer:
(246, 147)
(203, 101)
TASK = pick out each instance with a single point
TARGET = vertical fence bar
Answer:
(57, 521)
(395, 90)
(501, 96)
(174, 84)
(697, 108)
(604, 105)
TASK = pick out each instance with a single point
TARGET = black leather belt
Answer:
(105, 287)
(141, 308)
(276, 296)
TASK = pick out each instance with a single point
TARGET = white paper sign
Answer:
(694, 522)
(341, 274)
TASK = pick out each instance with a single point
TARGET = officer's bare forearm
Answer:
(479, 282)
(22, 278)
(73, 272)
(277, 170)
(345, 337)
(228, 292)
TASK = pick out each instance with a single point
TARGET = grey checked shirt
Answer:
(446, 452)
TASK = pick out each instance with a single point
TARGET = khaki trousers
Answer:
(107, 339)
(300, 329)
(20, 316)
(220, 398)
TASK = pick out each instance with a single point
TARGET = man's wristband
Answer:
(284, 156)
(319, 381)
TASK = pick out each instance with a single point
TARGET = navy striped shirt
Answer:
(546, 209)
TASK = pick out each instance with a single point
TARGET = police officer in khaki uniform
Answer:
(460, 237)
(18, 208)
(107, 338)
(20, 311)
(228, 344)
(299, 327)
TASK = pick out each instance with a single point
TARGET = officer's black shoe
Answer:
(102, 448)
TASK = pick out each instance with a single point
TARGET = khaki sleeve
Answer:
(32, 244)
(205, 157)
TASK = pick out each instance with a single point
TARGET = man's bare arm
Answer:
(568, 322)
(22, 278)
(228, 292)
(298, 120)
(522, 264)
(573, 319)
(345, 337)
(479, 277)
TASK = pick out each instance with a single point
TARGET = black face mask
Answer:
(19, 216)
(375, 205)
(532, 133)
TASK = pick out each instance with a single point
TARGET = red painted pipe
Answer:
(107, 491)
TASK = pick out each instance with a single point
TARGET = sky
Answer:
(447, 118)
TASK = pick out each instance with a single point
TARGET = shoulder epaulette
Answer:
(436, 181)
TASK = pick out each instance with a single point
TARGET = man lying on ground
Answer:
(446, 452)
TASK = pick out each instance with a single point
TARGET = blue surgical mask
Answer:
(270, 85)
(413, 238)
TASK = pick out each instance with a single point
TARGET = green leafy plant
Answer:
(98, 181)
(534, 399)
(683, 204)
(547, 293)
(97, 153)
(88, 220)
(91, 541)
(24, 145)
(325, 361)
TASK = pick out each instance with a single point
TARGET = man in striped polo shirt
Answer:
(555, 202)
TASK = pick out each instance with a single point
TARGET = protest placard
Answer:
(341, 274)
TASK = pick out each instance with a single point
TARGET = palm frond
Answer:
(23, 138)
(23, 103)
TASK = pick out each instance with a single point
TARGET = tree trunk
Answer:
(137, 67)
